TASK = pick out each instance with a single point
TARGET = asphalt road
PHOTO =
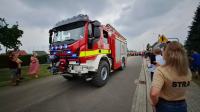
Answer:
(55, 94)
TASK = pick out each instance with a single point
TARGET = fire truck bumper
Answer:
(78, 69)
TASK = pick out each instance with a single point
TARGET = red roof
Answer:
(22, 52)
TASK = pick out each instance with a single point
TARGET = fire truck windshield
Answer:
(69, 34)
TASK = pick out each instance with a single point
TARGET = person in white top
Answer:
(151, 64)
(159, 58)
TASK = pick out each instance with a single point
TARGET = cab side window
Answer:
(90, 31)
(105, 37)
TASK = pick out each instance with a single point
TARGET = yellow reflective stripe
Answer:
(82, 54)
(91, 53)
(94, 52)
(105, 51)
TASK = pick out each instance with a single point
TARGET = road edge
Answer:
(140, 101)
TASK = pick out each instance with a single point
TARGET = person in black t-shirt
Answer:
(13, 65)
(153, 63)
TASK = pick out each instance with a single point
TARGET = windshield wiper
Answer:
(58, 41)
(70, 40)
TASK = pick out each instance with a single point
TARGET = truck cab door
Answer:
(94, 33)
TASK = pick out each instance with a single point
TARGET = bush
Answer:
(3, 61)
(43, 59)
(26, 60)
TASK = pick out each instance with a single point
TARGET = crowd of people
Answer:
(15, 67)
(171, 75)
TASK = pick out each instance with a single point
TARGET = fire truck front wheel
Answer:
(102, 74)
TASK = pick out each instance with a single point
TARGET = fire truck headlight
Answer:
(52, 48)
(56, 47)
(52, 57)
(65, 46)
(74, 55)
(60, 47)
(69, 52)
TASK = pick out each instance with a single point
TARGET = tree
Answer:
(9, 37)
(193, 39)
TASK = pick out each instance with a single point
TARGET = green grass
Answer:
(5, 74)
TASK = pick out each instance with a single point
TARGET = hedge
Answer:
(26, 60)
(3, 61)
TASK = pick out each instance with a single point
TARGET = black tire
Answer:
(70, 78)
(123, 66)
(101, 77)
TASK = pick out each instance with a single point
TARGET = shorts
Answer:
(13, 73)
(19, 71)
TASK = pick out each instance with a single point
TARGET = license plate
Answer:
(72, 62)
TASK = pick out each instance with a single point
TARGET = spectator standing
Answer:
(171, 81)
(19, 62)
(196, 62)
(159, 58)
(152, 65)
(34, 66)
(13, 68)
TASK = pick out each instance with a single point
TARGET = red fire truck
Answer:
(80, 47)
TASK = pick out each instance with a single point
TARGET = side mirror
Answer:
(50, 40)
(97, 32)
(50, 36)
(94, 29)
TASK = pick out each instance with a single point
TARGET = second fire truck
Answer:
(80, 47)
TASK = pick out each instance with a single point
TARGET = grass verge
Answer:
(5, 74)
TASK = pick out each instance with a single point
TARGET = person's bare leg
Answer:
(14, 82)
(36, 75)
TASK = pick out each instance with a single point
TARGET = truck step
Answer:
(69, 75)
(88, 79)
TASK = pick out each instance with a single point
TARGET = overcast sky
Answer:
(140, 21)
